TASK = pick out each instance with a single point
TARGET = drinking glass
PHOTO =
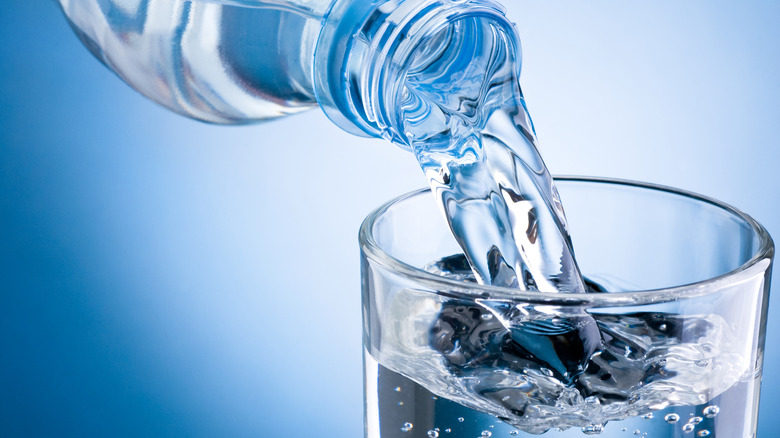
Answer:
(668, 343)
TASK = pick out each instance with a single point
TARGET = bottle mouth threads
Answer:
(370, 53)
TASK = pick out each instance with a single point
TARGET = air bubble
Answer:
(487, 316)
(648, 416)
(447, 430)
(702, 362)
(703, 433)
(400, 403)
(486, 434)
(695, 420)
(407, 427)
(593, 429)
(688, 428)
(461, 419)
(672, 418)
(637, 432)
(514, 433)
(711, 411)
(433, 434)
(397, 389)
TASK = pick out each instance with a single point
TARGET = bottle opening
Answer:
(410, 63)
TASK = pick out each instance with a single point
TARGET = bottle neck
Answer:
(371, 54)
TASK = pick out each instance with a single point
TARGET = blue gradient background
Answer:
(150, 266)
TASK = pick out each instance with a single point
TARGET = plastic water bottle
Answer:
(437, 77)
(244, 61)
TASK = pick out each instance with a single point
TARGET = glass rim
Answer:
(759, 262)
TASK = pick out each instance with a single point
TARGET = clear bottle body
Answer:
(220, 61)
(245, 61)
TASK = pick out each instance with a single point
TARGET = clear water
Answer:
(465, 118)
(409, 410)
(516, 370)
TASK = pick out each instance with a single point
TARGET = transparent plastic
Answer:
(245, 61)
(221, 61)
